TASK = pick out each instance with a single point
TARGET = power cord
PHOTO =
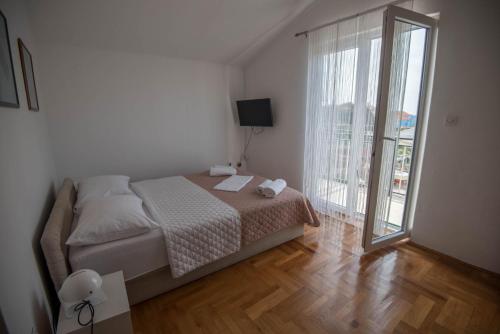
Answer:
(79, 308)
(247, 142)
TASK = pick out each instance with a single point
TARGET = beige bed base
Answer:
(149, 285)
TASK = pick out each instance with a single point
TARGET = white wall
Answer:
(457, 210)
(235, 91)
(459, 194)
(135, 114)
(26, 194)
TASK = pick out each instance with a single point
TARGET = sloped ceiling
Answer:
(223, 31)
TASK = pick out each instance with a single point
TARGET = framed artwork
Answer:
(8, 88)
(29, 76)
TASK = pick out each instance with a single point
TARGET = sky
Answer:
(415, 61)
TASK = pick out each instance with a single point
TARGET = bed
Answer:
(265, 223)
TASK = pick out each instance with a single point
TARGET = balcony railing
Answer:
(334, 188)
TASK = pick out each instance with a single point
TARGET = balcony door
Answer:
(407, 38)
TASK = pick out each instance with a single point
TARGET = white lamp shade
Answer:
(81, 285)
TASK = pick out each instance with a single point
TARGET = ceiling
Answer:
(223, 31)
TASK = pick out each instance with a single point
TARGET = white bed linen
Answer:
(135, 256)
(110, 218)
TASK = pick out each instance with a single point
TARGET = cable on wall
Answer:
(253, 132)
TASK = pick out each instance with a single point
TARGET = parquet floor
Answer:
(314, 284)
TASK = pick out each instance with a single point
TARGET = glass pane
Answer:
(400, 128)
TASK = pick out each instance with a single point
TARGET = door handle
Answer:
(383, 138)
(389, 138)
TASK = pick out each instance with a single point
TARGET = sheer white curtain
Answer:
(343, 70)
(343, 78)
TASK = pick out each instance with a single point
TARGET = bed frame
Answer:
(58, 228)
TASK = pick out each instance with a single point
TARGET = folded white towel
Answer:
(262, 186)
(219, 170)
(234, 183)
(274, 188)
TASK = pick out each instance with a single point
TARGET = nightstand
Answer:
(111, 316)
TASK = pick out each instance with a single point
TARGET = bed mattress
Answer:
(145, 253)
(135, 256)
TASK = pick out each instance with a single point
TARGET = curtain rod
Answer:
(305, 32)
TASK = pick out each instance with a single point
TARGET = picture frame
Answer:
(8, 86)
(28, 75)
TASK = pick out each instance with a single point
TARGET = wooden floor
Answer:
(316, 284)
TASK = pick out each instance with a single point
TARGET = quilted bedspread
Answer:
(198, 227)
(260, 216)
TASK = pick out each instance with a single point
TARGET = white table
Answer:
(111, 316)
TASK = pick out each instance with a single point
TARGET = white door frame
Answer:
(392, 14)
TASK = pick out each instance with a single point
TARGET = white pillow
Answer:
(110, 218)
(101, 186)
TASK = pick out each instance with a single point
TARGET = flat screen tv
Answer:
(255, 112)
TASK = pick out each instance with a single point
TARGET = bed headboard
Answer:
(57, 231)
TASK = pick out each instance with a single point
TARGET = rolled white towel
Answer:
(262, 186)
(219, 170)
(275, 188)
